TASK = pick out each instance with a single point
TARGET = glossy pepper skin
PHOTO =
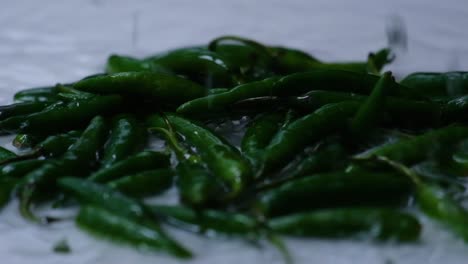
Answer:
(126, 138)
(335, 189)
(56, 145)
(436, 84)
(145, 160)
(24, 141)
(118, 63)
(207, 220)
(149, 85)
(380, 224)
(200, 65)
(78, 160)
(306, 131)
(259, 134)
(222, 159)
(144, 183)
(216, 104)
(72, 115)
(418, 148)
(18, 109)
(115, 227)
(41, 94)
(18, 169)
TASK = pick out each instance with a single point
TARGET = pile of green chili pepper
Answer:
(330, 149)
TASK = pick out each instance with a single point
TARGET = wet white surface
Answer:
(49, 41)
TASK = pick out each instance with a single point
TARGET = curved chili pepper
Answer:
(207, 220)
(381, 224)
(150, 85)
(118, 63)
(78, 160)
(144, 183)
(56, 145)
(146, 160)
(222, 159)
(126, 138)
(72, 115)
(372, 109)
(259, 134)
(305, 131)
(335, 189)
(6, 154)
(7, 185)
(217, 103)
(116, 227)
(419, 147)
(23, 141)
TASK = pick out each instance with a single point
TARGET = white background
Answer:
(50, 41)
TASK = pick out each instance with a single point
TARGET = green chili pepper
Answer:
(72, 115)
(146, 160)
(288, 61)
(419, 147)
(381, 224)
(216, 104)
(19, 109)
(432, 84)
(259, 134)
(198, 64)
(335, 189)
(150, 85)
(23, 141)
(306, 131)
(41, 94)
(207, 220)
(18, 169)
(144, 183)
(6, 187)
(56, 145)
(115, 227)
(117, 63)
(222, 159)
(371, 111)
(78, 160)
(6, 155)
(125, 139)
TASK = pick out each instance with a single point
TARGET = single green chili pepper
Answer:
(207, 220)
(41, 94)
(372, 109)
(217, 103)
(19, 109)
(72, 115)
(435, 201)
(433, 84)
(126, 138)
(56, 145)
(333, 80)
(259, 134)
(198, 64)
(335, 189)
(67, 93)
(117, 63)
(419, 147)
(6, 187)
(6, 154)
(381, 224)
(78, 160)
(115, 227)
(144, 183)
(20, 168)
(305, 131)
(288, 61)
(252, 60)
(146, 160)
(150, 85)
(222, 159)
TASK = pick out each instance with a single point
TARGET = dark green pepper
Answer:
(381, 224)
(20, 168)
(19, 109)
(435, 84)
(144, 183)
(41, 94)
